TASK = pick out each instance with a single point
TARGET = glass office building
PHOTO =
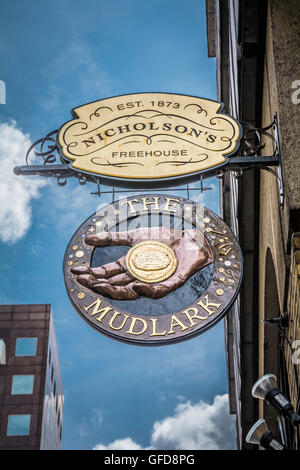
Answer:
(31, 397)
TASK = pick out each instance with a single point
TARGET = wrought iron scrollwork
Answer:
(48, 155)
(63, 178)
(250, 152)
(46, 151)
(251, 142)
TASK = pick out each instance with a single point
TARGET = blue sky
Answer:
(56, 55)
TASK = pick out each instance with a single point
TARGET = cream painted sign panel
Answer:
(149, 135)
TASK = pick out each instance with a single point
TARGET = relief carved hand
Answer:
(113, 279)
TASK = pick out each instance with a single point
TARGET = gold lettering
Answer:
(146, 203)
(96, 310)
(169, 204)
(114, 317)
(154, 332)
(176, 322)
(208, 304)
(191, 317)
(133, 322)
(132, 210)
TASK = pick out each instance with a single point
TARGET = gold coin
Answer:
(79, 254)
(151, 261)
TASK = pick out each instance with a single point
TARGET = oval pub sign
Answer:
(153, 269)
(148, 137)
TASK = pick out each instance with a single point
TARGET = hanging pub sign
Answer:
(150, 140)
(143, 138)
(153, 269)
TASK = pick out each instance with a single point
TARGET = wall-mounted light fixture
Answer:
(266, 388)
(260, 434)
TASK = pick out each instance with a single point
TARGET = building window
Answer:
(26, 346)
(18, 425)
(22, 384)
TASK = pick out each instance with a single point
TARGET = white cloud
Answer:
(97, 417)
(121, 444)
(16, 192)
(94, 419)
(201, 426)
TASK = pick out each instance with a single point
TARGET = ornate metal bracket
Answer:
(52, 164)
(250, 152)
(46, 151)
